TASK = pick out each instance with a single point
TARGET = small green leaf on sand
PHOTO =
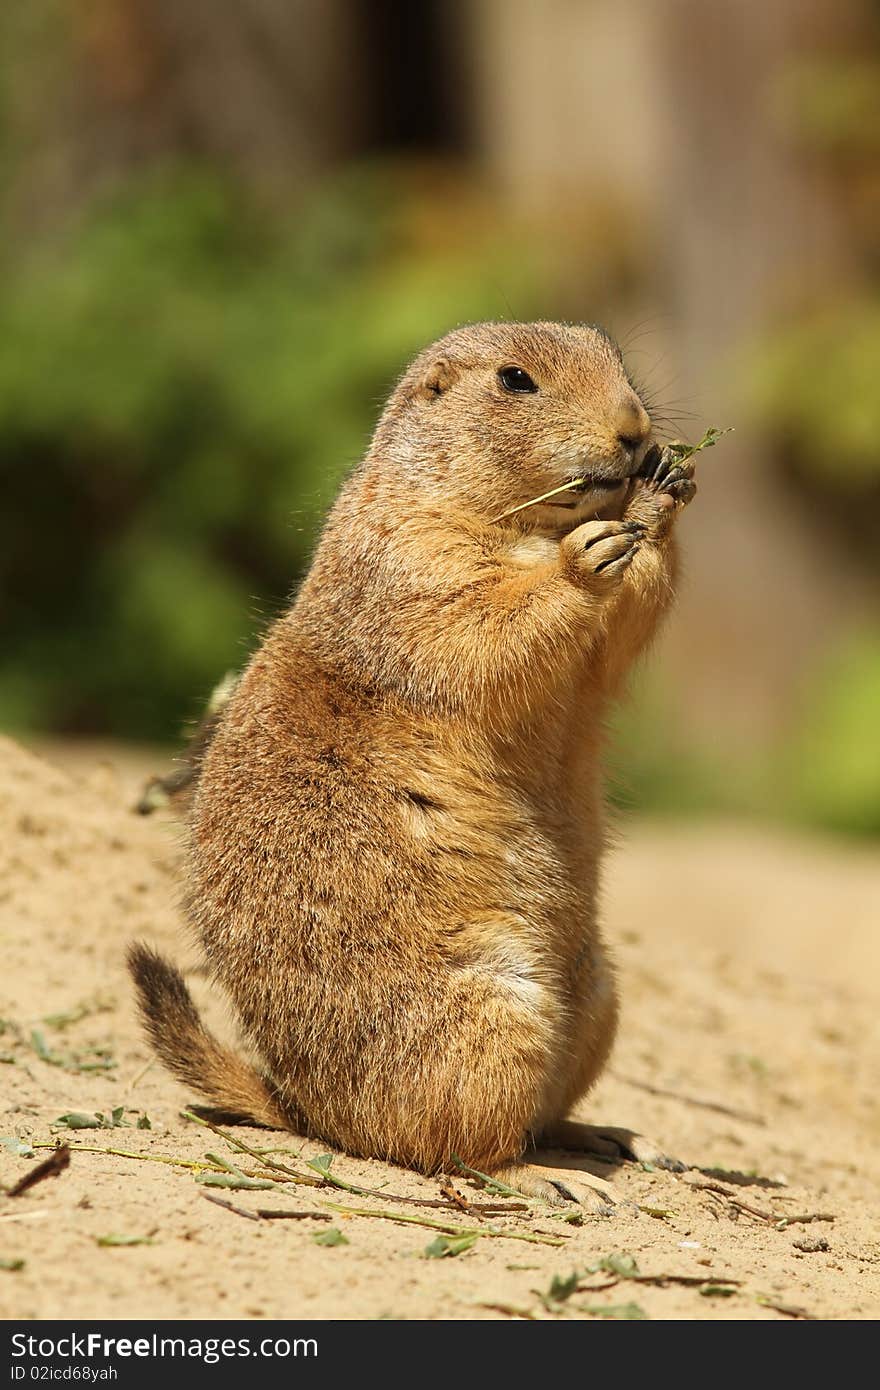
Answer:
(624, 1266)
(144, 1122)
(629, 1311)
(560, 1289)
(78, 1120)
(332, 1237)
(124, 1240)
(93, 1059)
(321, 1164)
(11, 1264)
(237, 1181)
(20, 1147)
(97, 1005)
(717, 1291)
(233, 1177)
(43, 1051)
(445, 1246)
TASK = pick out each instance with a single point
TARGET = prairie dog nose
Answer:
(633, 421)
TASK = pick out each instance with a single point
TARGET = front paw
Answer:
(665, 474)
(663, 486)
(599, 553)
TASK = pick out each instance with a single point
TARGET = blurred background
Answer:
(226, 226)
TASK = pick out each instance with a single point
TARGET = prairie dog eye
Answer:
(514, 379)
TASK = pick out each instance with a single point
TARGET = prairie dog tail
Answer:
(191, 1052)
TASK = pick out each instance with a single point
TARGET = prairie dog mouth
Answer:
(582, 488)
(578, 494)
(592, 499)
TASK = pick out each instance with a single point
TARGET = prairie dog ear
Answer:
(438, 377)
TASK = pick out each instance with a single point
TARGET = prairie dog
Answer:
(396, 838)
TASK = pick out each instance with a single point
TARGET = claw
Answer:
(670, 1165)
(650, 463)
(683, 490)
(610, 1141)
(621, 560)
(544, 1177)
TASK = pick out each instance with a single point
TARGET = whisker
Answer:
(643, 328)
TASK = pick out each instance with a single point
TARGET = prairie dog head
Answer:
(498, 413)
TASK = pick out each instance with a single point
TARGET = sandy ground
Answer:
(750, 1047)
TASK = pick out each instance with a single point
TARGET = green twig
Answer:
(491, 1184)
(291, 1173)
(198, 1166)
(321, 1165)
(680, 452)
(575, 485)
(532, 1237)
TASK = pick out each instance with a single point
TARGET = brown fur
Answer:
(397, 833)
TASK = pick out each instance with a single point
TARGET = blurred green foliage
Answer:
(825, 774)
(813, 375)
(814, 384)
(831, 103)
(831, 771)
(183, 383)
(656, 765)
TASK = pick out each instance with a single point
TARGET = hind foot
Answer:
(608, 1142)
(557, 1180)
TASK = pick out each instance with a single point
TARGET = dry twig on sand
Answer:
(51, 1167)
(266, 1213)
(729, 1198)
